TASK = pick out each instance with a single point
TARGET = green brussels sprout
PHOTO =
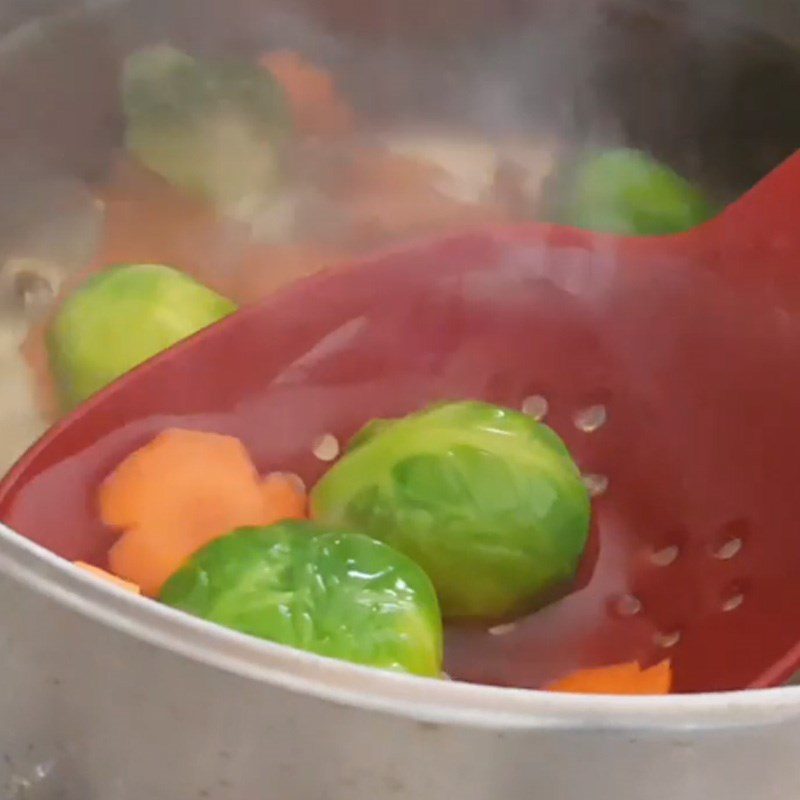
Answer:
(486, 500)
(120, 318)
(210, 128)
(628, 193)
(338, 594)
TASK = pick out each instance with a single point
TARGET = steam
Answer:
(468, 85)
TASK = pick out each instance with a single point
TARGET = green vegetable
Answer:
(337, 594)
(626, 192)
(486, 500)
(210, 128)
(122, 317)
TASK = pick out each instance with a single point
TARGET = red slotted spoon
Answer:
(671, 366)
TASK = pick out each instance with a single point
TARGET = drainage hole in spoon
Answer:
(732, 602)
(729, 549)
(535, 406)
(596, 484)
(666, 639)
(730, 541)
(502, 630)
(733, 596)
(665, 556)
(326, 447)
(591, 419)
(626, 605)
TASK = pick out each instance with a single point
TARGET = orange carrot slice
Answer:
(284, 496)
(317, 106)
(178, 493)
(619, 679)
(107, 576)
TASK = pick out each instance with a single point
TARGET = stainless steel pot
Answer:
(107, 698)
(104, 697)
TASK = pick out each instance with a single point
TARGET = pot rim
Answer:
(426, 700)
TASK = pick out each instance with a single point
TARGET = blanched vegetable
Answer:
(487, 500)
(618, 679)
(181, 491)
(341, 595)
(626, 192)
(211, 128)
(316, 105)
(107, 576)
(120, 318)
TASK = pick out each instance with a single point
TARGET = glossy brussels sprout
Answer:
(341, 595)
(210, 128)
(628, 193)
(487, 500)
(122, 317)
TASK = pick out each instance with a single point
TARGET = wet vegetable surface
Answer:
(119, 319)
(629, 193)
(337, 594)
(676, 338)
(487, 500)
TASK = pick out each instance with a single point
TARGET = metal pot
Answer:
(104, 697)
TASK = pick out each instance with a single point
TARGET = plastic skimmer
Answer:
(670, 366)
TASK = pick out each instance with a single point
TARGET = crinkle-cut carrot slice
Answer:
(107, 576)
(284, 497)
(619, 679)
(155, 482)
(150, 555)
(317, 107)
(178, 493)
